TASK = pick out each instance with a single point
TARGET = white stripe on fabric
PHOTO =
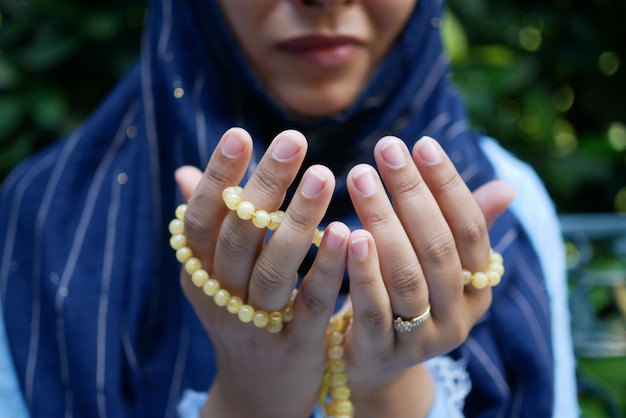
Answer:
(488, 366)
(107, 271)
(179, 372)
(537, 290)
(153, 149)
(518, 400)
(506, 240)
(25, 180)
(46, 201)
(531, 320)
(436, 124)
(103, 304)
(166, 29)
(457, 128)
(74, 253)
(438, 70)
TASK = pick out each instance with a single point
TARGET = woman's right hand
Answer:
(260, 373)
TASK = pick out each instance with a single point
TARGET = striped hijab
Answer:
(97, 323)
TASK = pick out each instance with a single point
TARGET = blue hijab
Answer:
(97, 323)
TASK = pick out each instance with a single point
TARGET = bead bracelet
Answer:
(334, 390)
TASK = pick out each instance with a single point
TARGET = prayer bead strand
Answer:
(273, 321)
(490, 277)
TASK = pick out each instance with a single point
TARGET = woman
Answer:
(96, 321)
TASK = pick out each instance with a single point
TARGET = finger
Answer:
(187, 179)
(369, 297)
(400, 268)
(205, 211)
(318, 292)
(494, 198)
(275, 272)
(457, 204)
(240, 242)
(463, 215)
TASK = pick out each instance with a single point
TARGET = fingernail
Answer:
(233, 146)
(429, 151)
(312, 183)
(365, 181)
(359, 247)
(393, 154)
(334, 238)
(286, 148)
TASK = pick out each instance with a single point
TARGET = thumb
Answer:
(187, 177)
(493, 198)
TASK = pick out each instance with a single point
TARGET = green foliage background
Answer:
(545, 77)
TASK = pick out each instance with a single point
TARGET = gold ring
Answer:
(404, 325)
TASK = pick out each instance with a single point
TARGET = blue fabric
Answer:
(96, 321)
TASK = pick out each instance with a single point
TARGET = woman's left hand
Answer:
(408, 257)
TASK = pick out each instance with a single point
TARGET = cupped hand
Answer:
(259, 373)
(410, 257)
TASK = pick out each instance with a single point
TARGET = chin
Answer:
(316, 105)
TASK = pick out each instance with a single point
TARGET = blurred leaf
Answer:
(453, 36)
(46, 53)
(9, 76)
(49, 109)
(15, 152)
(11, 115)
(102, 26)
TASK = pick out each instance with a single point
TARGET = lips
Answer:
(323, 51)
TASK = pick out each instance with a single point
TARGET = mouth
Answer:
(321, 51)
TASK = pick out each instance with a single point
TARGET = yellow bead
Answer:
(467, 276)
(245, 210)
(199, 277)
(232, 190)
(275, 219)
(232, 201)
(495, 257)
(343, 407)
(480, 280)
(245, 314)
(192, 265)
(176, 227)
(335, 352)
(183, 254)
(211, 287)
(340, 392)
(275, 323)
(234, 304)
(261, 219)
(493, 278)
(335, 338)
(221, 297)
(180, 212)
(496, 268)
(338, 379)
(336, 365)
(287, 312)
(260, 318)
(178, 241)
(333, 324)
(340, 409)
